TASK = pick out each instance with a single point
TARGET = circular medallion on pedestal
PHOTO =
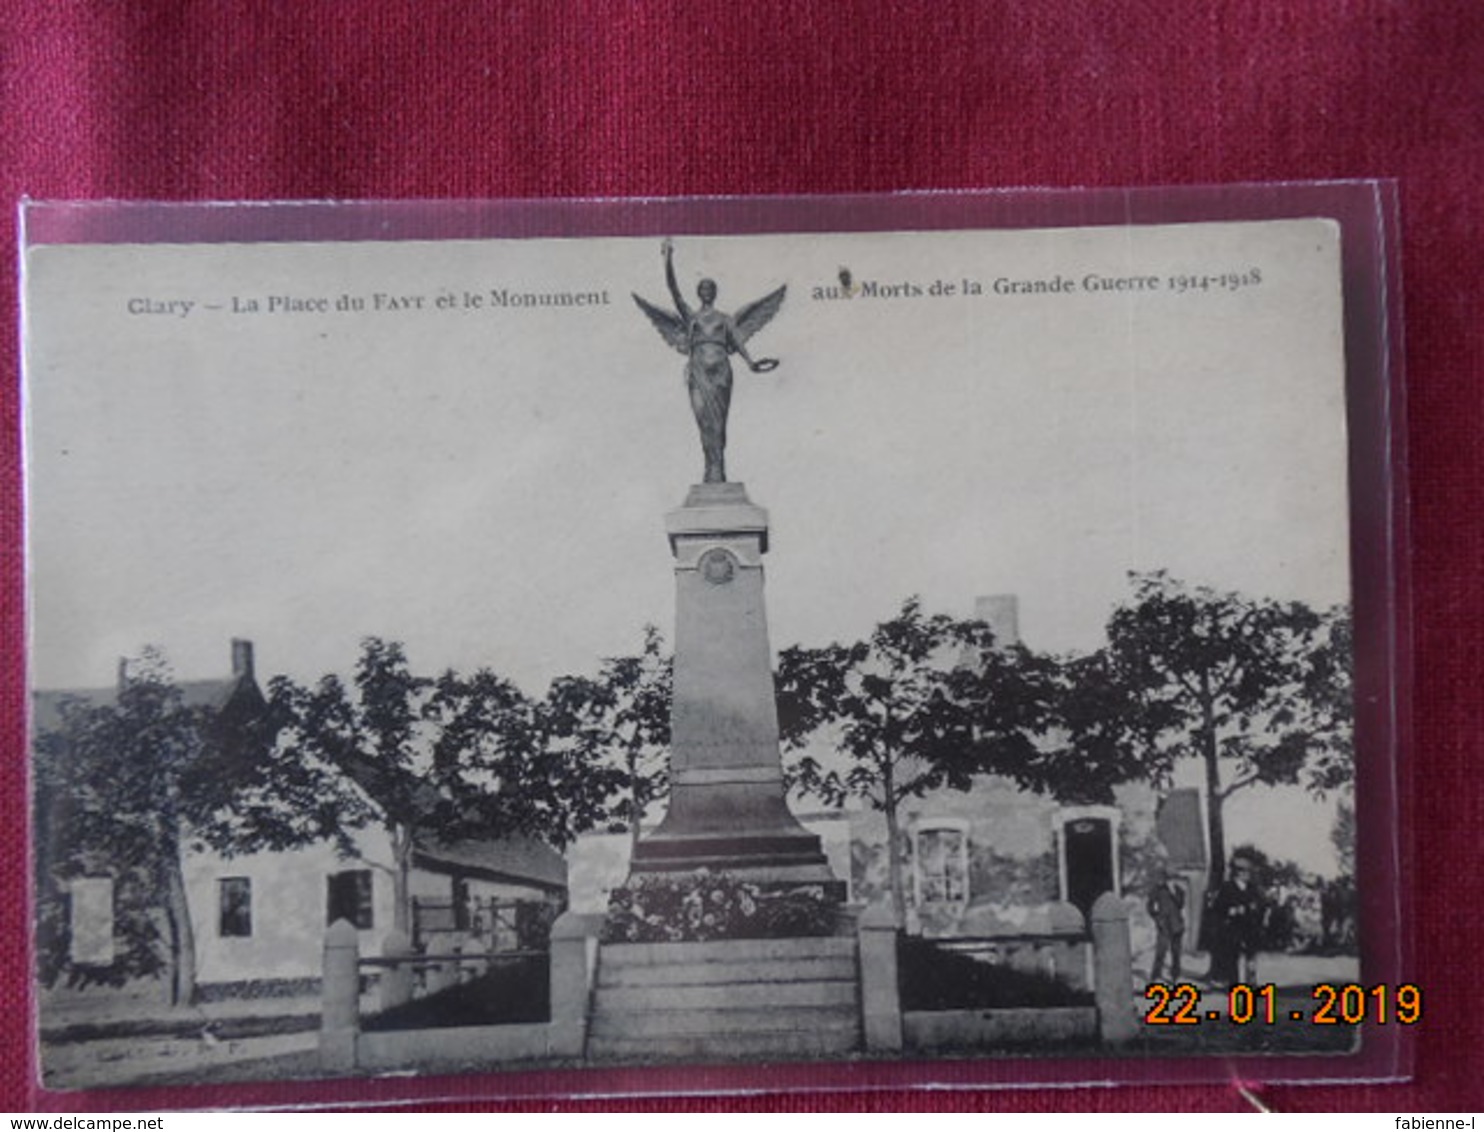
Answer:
(717, 566)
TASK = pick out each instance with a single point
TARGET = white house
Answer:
(259, 919)
(262, 917)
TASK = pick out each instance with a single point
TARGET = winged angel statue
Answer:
(708, 337)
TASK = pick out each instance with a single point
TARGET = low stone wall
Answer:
(883, 1025)
(343, 1046)
(995, 1029)
(1061, 953)
(251, 990)
(1064, 956)
(397, 1049)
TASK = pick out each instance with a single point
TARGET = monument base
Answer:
(728, 811)
(800, 862)
(744, 829)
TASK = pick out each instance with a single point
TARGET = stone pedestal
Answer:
(727, 807)
(1112, 967)
(340, 1008)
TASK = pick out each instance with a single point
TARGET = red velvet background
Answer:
(383, 99)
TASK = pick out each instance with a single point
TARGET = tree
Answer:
(436, 760)
(502, 767)
(927, 702)
(121, 790)
(1327, 696)
(1342, 836)
(1096, 744)
(371, 742)
(1256, 689)
(621, 719)
(1337, 895)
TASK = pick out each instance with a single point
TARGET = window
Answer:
(942, 862)
(350, 898)
(91, 943)
(234, 907)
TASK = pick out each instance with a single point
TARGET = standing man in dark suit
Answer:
(1166, 906)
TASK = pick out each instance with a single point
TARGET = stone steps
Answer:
(743, 961)
(733, 995)
(713, 974)
(781, 1045)
(681, 1022)
(735, 998)
(730, 950)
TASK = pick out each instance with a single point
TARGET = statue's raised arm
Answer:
(667, 250)
(708, 337)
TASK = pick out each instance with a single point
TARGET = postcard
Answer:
(484, 655)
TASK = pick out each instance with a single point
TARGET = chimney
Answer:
(242, 659)
(123, 677)
(1002, 613)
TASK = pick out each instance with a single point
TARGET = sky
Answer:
(488, 484)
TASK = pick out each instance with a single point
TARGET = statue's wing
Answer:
(668, 323)
(754, 316)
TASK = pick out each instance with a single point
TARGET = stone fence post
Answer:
(396, 978)
(444, 973)
(1069, 951)
(881, 1000)
(340, 988)
(571, 984)
(1112, 964)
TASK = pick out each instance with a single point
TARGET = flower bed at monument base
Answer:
(701, 906)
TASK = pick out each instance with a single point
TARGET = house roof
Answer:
(513, 860)
(46, 704)
(521, 860)
(374, 779)
(518, 860)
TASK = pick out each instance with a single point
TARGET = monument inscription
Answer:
(718, 566)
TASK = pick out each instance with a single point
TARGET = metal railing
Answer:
(489, 925)
(1060, 955)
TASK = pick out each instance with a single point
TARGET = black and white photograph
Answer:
(473, 656)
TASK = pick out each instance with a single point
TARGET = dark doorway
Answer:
(1089, 861)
